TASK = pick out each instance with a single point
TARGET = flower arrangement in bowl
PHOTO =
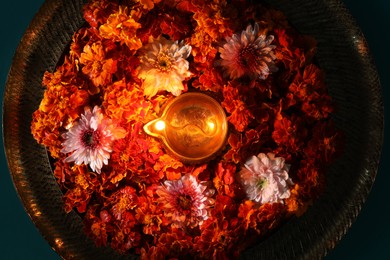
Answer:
(129, 61)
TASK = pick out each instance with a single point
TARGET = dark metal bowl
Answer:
(350, 75)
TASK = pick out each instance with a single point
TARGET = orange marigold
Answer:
(225, 182)
(61, 105)
(169, 166)
(210, 18)
(325, 143)
(81, 189)
(148, 4)
(96, 12)
(243, 145)
(210, 80)
(220, 234)
(178, 243)
(122, 27)
(211, 28)
(97, 66)
(134, 158)
(202, 45)
(97, 225)
(294, 204)
(125, 103)
(150, 216)
(261, 219)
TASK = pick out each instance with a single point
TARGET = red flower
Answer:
(210, 79)
(136, 156)
(96, 12)
(169, 166)
(225, 181)
(311, 179)
(123, 241)
(220, 234)
(311, 91)
(242, 146)
(174, 244)
(325, 143)
(240, 115)
(289, 132)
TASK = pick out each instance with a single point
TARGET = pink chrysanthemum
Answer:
(90, 139)
(164, 66)
(248, 54)
(265, 178)
(186, 202)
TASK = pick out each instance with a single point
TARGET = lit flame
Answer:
(160, 125)
(211, 125)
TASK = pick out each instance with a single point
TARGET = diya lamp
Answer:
(193, 127)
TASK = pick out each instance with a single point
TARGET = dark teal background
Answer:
(369, 237)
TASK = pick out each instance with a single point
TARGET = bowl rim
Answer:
(18, 74)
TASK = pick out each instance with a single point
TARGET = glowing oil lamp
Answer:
(193, 127)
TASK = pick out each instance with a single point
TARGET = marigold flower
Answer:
(96, 225)
(204, 51)
(96, 66)
(265, 178)
(164, 66)
(240, 116)
(82, 189)
(248, 54)
(211, 19)
(149, 215)
(123, 241)
(186, 201)
(148, 4)
(224, 180)
(90, 139)
(97, 12)
(123, 202)
(221, 233)
(172, 244)
(310, 89)
(121, 27)
(289, 132)
(311, 179)
(219, 239)
(261, 219)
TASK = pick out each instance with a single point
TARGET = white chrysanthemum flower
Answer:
(90, 139)
(164, 66)
(248, 54)
(186, 202)
(265, 178)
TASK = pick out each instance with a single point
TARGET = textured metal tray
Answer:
(350, 75)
